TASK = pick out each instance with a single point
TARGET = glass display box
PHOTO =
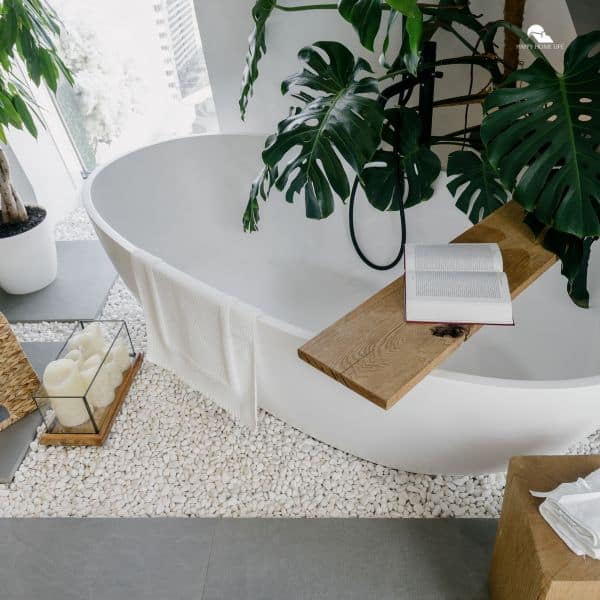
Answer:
(82, 390)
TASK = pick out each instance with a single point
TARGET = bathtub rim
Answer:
(289, 328)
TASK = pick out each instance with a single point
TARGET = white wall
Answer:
(54, 177)
(49, 163)
(19, 179)
(225, 26)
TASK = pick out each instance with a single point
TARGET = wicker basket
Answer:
(18, 381)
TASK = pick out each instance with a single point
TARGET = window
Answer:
(140, 75)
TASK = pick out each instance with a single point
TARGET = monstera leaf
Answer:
(411, 47)
(343, 117)
(405, 169)
(365, 16)
(483, 193)
(543, 138)
(260, 188)
(574, 255)
(257, 47)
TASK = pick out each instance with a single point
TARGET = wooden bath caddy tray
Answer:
(70, 437)
(375, 352)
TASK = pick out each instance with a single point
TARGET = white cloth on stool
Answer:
(573, 511)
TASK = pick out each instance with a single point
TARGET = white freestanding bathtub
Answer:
(532, 388)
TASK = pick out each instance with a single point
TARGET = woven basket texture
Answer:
(18, 380)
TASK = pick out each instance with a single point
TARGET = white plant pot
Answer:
(28, 260)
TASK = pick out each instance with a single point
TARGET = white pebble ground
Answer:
(172, 452)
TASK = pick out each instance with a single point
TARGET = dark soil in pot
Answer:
(36, 216)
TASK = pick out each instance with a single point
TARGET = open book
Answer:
(456, 283)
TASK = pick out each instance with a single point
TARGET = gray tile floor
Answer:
(245, 559)
(15, 440)
(85, 276)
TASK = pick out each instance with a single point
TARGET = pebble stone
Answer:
(172, 452)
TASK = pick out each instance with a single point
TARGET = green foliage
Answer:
(543, 138)
(574, 255)
(402, 169)
(27, 30)
(257, 46)
(483, 193)
(342, 117)
(259, 189)
(365, 16)
(411, 45)
(538, 141)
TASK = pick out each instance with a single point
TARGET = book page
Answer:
(468, 285)
(467, 297)
(453, 257)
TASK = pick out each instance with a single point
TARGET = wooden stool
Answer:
(530, 561)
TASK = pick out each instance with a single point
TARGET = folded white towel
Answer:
(205, 337)
(573, 511)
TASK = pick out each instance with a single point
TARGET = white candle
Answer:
(97, 394)
(62, 378)
(90, 341)
(119, 355)
(113, 375)
(102, 391)
(75, 356)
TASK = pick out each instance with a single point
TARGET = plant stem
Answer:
(13, 210)
(479, 59)
(460, 37)
(460, 132)
(335, 6)
(442, 141)
(470, 99)
(495, 25)
(306, 7)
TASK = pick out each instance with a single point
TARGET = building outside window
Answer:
(140, 76)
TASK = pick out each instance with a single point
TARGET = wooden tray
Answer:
(18, 380)
(375, 352)
(70, 437)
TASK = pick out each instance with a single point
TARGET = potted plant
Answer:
(537, 142)
(27, 248)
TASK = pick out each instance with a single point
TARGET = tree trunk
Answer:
(513, 13)
(13, 210)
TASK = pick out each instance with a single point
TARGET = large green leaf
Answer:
(28, 28)
(260, 189)
(365, 16)
(411, 47)
(257, 46)
(341, 121)
(574, 255)
(543, 138)
(483, 193)
(405, 168)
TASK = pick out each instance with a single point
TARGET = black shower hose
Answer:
(355, 243)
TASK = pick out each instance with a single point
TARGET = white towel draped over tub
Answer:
(210, 345)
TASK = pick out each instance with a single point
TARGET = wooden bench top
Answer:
(375, 352)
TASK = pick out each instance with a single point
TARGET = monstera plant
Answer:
(538, 140)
